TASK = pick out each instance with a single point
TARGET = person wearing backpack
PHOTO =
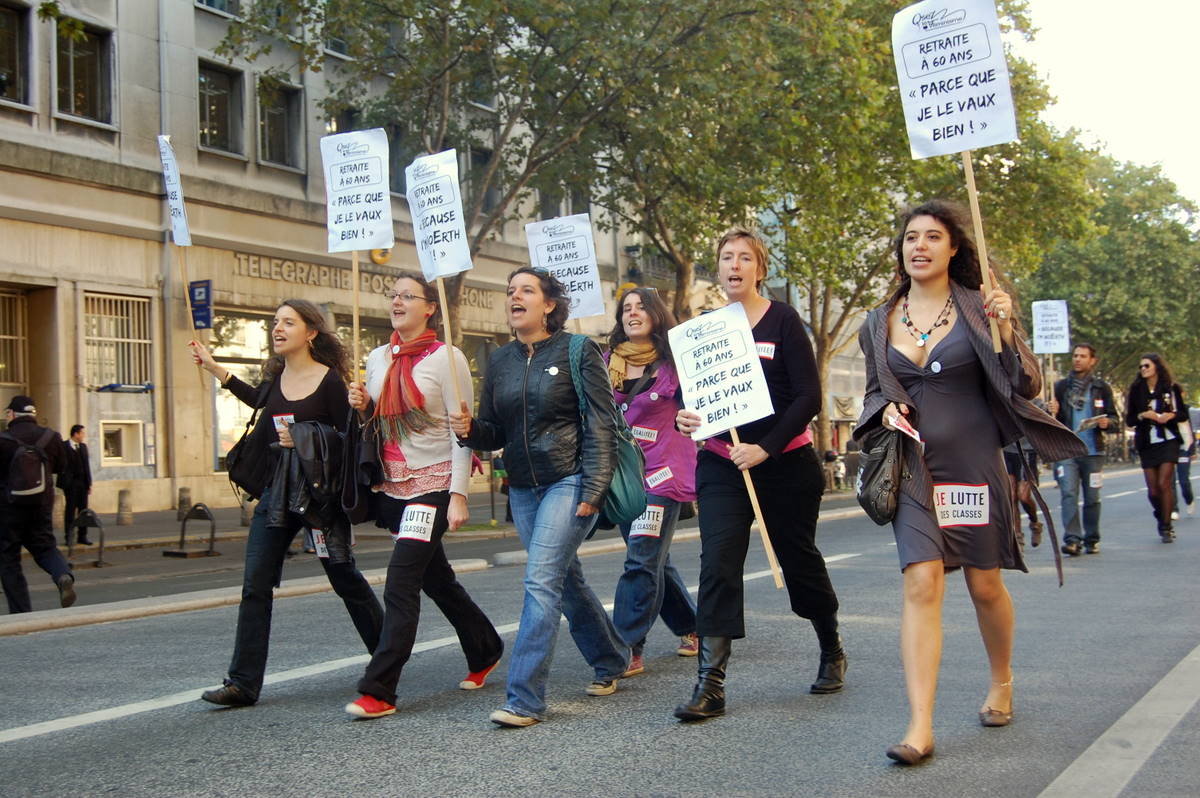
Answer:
(29, 457)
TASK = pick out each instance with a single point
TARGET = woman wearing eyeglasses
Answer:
(421, 493)
(1154, 407)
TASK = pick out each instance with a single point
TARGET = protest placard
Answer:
(174, 190)
(435, 201)
(358, 197)
(953, 77)
(565, 248)
(1051, 327)
(722, 378)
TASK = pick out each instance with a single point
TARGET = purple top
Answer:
(670, 455)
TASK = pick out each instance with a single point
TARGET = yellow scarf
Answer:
(629, 353)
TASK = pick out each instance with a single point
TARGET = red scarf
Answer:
(401, 407)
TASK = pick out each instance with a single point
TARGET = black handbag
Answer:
(880, 470)
(249, 466)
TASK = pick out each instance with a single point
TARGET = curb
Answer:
(44, 620)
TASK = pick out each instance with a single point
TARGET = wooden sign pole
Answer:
(980, 242)
(762, 526)
(354, 321)
(441, 286)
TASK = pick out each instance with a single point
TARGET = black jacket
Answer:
(1162, 400)
(307, 483)
(77, 469)
(27, 431)
(528, 407)
(1099, 403)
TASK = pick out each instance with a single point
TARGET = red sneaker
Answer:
(636, 665)
(475, 679)
(368, 706)
(689, 646)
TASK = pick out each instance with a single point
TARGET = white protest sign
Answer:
(719, 370)
(565, 248)
(358, 197)
(1051, 327)
(953, 77)
(174, 189)
(434, 199)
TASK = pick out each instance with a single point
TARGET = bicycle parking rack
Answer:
(198, 510)
(87, 519)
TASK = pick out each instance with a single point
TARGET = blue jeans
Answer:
(265, 551)
(1070, 475)
(551, 533)
(650, 584)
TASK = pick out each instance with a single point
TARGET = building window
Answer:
(279, 118)
(122, 443)
(220, 93)
(14, 54)
(479, 162)
(549, 204)
(117, 340)
(343, 121)
(581, 200)
(231, 7)
(85, 75)
(403, 149)
(13, 351)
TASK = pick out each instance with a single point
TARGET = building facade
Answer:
(93, 322)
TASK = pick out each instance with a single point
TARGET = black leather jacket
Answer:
(307, 483)
(528, 407)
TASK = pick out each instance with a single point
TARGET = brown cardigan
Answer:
(1012, 382)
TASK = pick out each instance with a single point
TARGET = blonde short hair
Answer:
(757, 244)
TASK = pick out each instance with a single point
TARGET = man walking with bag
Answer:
(29, 457)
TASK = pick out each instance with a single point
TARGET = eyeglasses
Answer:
(393, 296)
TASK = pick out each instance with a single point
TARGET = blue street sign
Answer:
(200, 292)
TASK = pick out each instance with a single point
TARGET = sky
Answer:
(1125, 74)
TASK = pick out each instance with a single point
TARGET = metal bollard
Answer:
(196, 511)
(87, 519)
(183, 504)
(124, 507)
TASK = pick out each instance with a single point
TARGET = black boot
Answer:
(831, 675)
(708, 699)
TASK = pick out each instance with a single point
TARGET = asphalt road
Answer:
(1107, 676)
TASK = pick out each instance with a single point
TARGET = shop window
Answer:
(280, 115)
(117, 340)
(240, 343)
(14, 54)
(13, 347)
(85, 75)
(220, 96)
(122, 443)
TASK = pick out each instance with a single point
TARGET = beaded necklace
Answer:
(914, 331)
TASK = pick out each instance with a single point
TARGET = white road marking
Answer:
(193, 694)
(1111, 762)
(1124, 493)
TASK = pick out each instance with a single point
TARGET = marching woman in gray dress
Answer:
(930, 362)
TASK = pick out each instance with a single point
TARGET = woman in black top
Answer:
(778, 452)
(306, 376)
(1154, 407)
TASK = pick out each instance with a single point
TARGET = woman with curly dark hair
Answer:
(930, 363)
(1154, 407)
(304, 381)
(559, 465)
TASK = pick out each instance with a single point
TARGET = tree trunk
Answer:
(824, 432)
(685, 277)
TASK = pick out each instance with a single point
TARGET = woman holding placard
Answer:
(645, 387)
(421, 492)
(1154, 407)
(777, 451)
(930, 366)
(304, 380)
(559, 466)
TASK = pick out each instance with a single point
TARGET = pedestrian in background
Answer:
(646, 388)
(1154, 407)
(1083, 403)
(76, 482)
(930, 362)
(306, 376)
(1183, 468)
(787, 475)
(420, 492)
(559, 466)
(29, 457)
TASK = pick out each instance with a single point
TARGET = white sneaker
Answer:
(502, 717)
(1174, 515)
(1191, 508)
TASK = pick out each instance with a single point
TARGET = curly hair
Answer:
(327, 348)
(1162, 372)
(554, 291)
(964, 264)
(660, 317)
